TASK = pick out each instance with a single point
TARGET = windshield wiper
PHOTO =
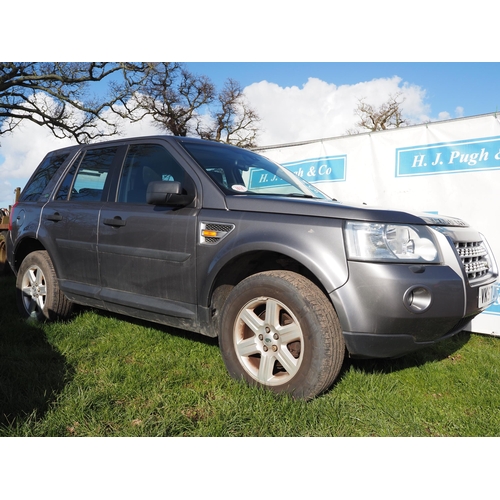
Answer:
(300, 195)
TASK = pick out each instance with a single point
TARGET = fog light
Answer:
(417, 299)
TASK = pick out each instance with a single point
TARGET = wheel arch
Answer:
(251, 262)
(24, 248)
(319, 256)
(232, 271)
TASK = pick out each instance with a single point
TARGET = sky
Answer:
(300, 101)
(448, 86)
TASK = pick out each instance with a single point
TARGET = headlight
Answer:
(388, 242)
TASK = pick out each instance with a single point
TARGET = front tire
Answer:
(280, 331)
(37, 291)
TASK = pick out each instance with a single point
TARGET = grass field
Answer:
(104, 375)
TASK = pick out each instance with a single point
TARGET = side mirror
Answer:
(166, 193)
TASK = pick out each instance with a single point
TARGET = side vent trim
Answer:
(212, 233)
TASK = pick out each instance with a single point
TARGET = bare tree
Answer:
(172, 96)
(56, 95)
(234, 122)
(388, 115)
(180, 101)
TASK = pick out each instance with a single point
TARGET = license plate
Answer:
(487, 295)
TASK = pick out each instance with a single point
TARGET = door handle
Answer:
(56, 217)
(117, 222)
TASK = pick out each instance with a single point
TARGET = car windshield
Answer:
(239, 171)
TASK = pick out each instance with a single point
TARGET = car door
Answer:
(69, 222)
(147, 252)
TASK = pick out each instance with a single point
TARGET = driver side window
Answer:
(143, 164)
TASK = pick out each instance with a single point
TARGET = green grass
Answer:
(105, 375)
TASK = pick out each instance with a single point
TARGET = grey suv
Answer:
(219, 240)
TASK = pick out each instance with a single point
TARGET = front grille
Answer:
(474, 257)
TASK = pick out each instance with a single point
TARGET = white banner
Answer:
(447, 168)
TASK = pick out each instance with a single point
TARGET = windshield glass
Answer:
(239, 171)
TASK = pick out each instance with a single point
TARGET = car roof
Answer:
(121, 140)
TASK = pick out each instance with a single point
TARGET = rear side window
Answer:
(42, 176)
(86, 181)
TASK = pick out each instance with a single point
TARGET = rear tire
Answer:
(280, 331)
(37, 290)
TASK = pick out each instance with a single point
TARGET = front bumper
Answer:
(381, 318)
(376, 345)
(390, 309)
